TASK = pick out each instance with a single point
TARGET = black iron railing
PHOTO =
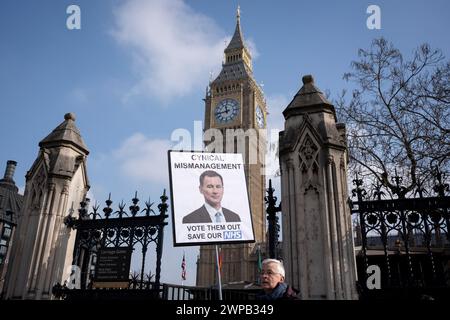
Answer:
(408, 238)
(119, 229)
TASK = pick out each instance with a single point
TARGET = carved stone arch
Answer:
(308, 157)
(33, 196)
(65, 188)
(38, 177)
(330, 160)
(36, 197)
(312, 187)
(308, 153)
(307, 127)
(39, 170)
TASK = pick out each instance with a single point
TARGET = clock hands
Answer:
(222, 112)
(226, 110)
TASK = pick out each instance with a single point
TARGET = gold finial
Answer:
(238, 13)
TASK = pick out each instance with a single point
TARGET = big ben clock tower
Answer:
(235, 105)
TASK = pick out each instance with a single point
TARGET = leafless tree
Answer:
(398, 114)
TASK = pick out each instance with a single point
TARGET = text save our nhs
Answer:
(232, 235)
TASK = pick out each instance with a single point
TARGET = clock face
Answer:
(226, 111)
(260, 121)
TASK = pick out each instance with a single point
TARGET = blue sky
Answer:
(137, 70)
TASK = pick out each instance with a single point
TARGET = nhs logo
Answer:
(232, 235)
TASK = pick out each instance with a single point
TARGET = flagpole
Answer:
(218, 273)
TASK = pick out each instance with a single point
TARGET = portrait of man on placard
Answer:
(212, 188)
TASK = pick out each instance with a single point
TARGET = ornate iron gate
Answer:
(407, 238)
(116, 230)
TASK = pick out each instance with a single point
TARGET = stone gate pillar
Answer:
(317, 232)
(57, 182)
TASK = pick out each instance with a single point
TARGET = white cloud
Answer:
(276, 104)
(173, 47)
(142, 158)
(275, 123)
(251, 46)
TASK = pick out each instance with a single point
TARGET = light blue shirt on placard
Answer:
(212, 213)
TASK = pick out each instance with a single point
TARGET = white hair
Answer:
(278, 263)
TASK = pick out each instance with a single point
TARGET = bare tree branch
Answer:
(398, 115)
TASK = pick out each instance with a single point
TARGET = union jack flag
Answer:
(183, 268)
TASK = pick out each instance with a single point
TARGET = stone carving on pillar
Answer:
(317, 242)
(308, 156)
(330, 160)
(342, 162)
(37, 189)
(65, 189)
(309, 163)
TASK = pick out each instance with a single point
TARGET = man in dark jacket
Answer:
(272, 282)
